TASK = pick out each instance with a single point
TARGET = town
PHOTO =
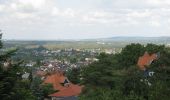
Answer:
(52, 66)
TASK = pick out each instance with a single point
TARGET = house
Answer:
(65, 98)
(65, 88)
(145, 60)
(41, 73)
(25, 76)
(50, 66)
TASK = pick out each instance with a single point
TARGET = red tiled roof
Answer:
(146, 60)
(56, 79)
(72, 90)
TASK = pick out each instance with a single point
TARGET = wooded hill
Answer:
(117, 77)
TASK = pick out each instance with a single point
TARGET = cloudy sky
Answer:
(82, 19)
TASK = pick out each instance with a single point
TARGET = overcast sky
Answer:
(82, 19)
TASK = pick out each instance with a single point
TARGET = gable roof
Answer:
(56, 80)
(146, 60)
(71, 90)
(64, 91)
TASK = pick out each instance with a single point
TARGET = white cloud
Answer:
(55, 11)
(24, 15)
(91, 16)
(140, 14)
(96, 17)
(69, 12)
(33, 3)
(14, 6)
(1, 8)
(102, 14)
(155, 23)
(159, 2)
(93, 20)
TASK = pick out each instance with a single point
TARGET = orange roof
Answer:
(146, 60)
(72, 90)
(56, 79)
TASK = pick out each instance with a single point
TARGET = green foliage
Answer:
(135, 83)
(130, 54)
(73, 60)
(74, 75)
(159, 91)
(47, 89)
(12, 87)
(116, 77)
(153, 48)
(35, 87)
(98, 74)
(4, 56)
(22, 94)
(41, 90)
(108, 94)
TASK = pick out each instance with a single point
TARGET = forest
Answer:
(117, 77)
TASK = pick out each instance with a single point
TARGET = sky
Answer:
(83, 19)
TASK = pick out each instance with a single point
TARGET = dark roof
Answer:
(70, 98)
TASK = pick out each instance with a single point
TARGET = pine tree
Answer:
(11, 85)
(128, 82)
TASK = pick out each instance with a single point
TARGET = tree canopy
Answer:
(12, 87)
(117, 77)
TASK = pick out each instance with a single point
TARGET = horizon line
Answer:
(84, 38)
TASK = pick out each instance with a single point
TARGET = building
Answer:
(146, 60)
(67, 90)
(26, 76)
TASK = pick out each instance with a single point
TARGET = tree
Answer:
(153, 48)
(74, 75)
(47, 89)
(41, 90)
(101, 73)
(130, 54)
(73, 60)
(35, 87)
(117, 77)
(11, 85)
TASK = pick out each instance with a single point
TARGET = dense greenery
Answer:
(41, 90)
(12, 86)
(74, 75)
(117, 77)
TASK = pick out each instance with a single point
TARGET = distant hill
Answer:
(112, 42)
(161, 40)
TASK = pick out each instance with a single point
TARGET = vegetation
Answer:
(41, 90)
(12, 86)
(74, 75)
(113, 77)
(117, 77)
